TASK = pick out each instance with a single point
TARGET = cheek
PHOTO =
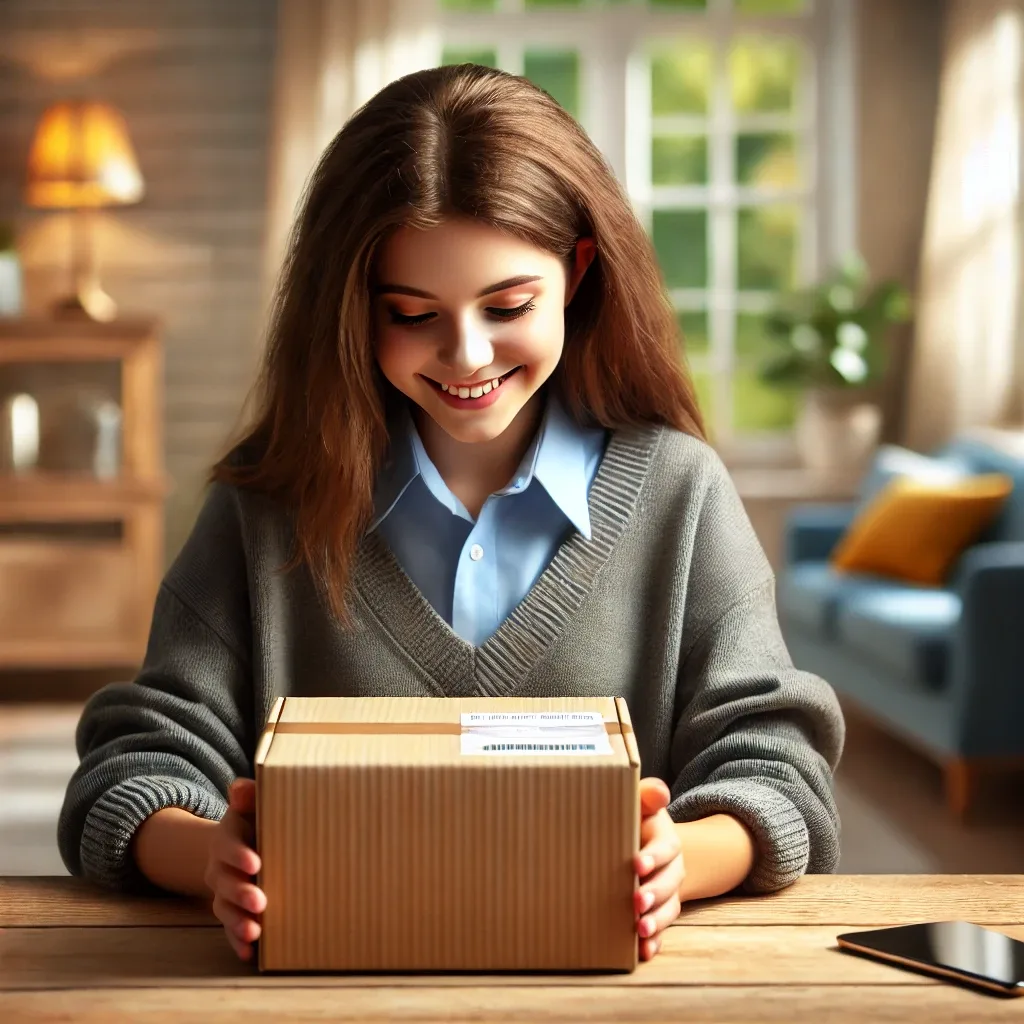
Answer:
(397, 355)
(543, 337)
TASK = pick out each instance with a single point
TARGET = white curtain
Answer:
(332, 56)
(967, 359)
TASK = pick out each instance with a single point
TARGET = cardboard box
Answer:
(423, 834)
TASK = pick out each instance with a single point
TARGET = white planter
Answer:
(837, 431)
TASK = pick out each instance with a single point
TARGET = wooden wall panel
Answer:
(193, 79)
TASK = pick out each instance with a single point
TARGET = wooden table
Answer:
(70, 952)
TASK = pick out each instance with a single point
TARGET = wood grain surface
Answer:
(814, 899)
(71, 952)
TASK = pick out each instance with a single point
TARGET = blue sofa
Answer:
(940, 667)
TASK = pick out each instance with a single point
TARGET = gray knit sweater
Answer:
(670, 604)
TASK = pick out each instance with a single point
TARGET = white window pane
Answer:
(764, 74)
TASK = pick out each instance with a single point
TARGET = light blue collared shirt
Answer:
(475, 573)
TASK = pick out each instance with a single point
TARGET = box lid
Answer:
(326, 731)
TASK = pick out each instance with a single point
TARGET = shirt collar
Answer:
(556, 458)
(399, 468)
(561, 464)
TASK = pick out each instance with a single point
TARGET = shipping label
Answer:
(546, 733)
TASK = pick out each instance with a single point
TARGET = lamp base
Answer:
(90, 302)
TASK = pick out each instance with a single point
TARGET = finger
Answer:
(243, 829)
(242, 796)
(243, 950)
(236, 828)
(653, 826)
(654, 923)
(660, 886)
(654, 795)
(656, 854)
(237, 889)
(649, 948)
(238, 923)
(231, 852)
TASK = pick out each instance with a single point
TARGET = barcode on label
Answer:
(492, 747)
(562, 734)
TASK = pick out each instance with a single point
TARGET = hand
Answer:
(232, 861)
(659, 865)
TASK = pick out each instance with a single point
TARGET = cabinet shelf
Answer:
(81, 558)
(65, 492)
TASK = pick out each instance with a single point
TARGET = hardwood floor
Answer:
(894, 817)
(890, 799)
(37, 757)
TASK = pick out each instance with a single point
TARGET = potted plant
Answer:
(831, 346)
(10, 273)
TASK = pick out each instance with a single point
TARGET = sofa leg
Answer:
(961, 776)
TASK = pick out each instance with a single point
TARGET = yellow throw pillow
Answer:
(915, 531)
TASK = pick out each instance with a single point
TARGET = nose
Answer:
(467, 349)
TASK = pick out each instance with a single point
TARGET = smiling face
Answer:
(469, 323)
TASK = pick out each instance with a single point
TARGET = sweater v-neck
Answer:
(496, 668)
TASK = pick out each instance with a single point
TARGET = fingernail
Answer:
(647, 900)
(646, 927)
(646, 864)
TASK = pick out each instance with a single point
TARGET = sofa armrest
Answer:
(812, 531)
(988, 649)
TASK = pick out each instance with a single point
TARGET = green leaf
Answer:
(779, 324)
(786, 369)
(852, 272)
(850, 365)
(888, 303)
(834, 333)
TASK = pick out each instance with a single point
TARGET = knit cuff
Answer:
(117, 815)
(779, 830)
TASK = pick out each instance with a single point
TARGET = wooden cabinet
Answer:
(82, 553)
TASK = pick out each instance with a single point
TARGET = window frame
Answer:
(611, 40)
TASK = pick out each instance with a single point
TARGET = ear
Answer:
(586, 250)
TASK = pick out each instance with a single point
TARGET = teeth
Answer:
(477, 391)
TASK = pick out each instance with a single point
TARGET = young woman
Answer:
(476, 467)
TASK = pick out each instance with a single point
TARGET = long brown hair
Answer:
(450, 141)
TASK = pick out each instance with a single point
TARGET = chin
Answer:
(477, 429)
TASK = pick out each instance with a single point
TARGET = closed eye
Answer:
(501, 312)
(398, 318)
(505, 313)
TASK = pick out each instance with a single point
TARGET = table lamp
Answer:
(82, 159)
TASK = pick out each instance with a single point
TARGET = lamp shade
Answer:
(81, 156)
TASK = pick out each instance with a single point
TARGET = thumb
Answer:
(654, 796)
(242, 796)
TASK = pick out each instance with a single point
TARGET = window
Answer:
(728, 123)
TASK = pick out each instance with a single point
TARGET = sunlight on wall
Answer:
(990, 82)
(968, 320)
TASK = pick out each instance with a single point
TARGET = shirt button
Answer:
(476, 552)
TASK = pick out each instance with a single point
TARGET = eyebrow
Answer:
(401, 289)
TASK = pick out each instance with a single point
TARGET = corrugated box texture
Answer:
(425, 834)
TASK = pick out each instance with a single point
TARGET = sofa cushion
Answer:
(915, 530)
(979, 457)
(809, 594)
(891, 462)
(905, 629)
